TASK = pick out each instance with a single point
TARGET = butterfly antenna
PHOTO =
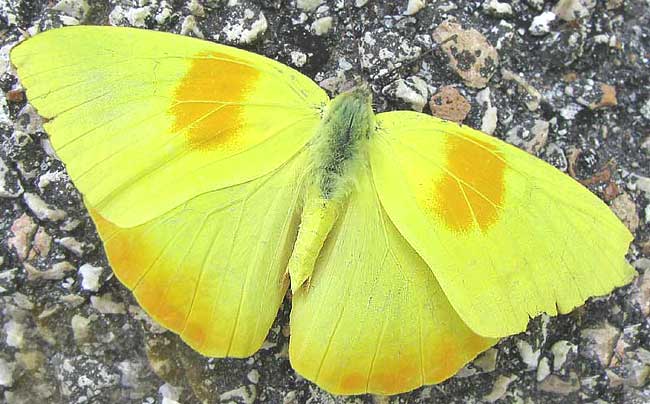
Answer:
(401, 66)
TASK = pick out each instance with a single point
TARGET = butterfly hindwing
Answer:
(213, 269)
(506, 235)
(373, 318)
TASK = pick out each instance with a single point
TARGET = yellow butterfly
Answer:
(217, 178)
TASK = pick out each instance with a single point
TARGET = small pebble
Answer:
(80, 328)
(90, 277)
(499, 389)
(7, 373)
(598, 343)
(253, 376)
(497, 8)
(541, 24)
(570, 10)
(543, 369)
(58, 271)
(41, 209)
(625, 208)
(414, 6)
(528, 355)
(105, 304)
(42, 242)
(322, 25)
(490, 117)
(470, 54)
(448, 103)
(561, 349)
(555, 384)
(72, 244)
(23, 230)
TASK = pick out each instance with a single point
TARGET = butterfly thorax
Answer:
(337, 153)
(337, 144)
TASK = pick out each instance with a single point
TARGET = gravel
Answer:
(569, 81)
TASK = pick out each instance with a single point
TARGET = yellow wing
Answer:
(213, 269)
(373, 318)
(145, 120)
(506, 235)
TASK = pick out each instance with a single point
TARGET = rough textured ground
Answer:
(568, 81)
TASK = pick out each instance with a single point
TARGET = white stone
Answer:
(528, 356)
(541, 24)
(67, 20)
(15, 332)
(72, 244)
(570, 10)
(246, 394)
(253, 376)
(414, 6)
(170, 392)
(490, 117)
(322, 25)
(543, 369)
(80, 327)
(189, 26)
(560, 351)
(90, 277)
(499, 389)
(498, 8)
(49, 177)
(298, 58)
(137, 16)
(57, 272)
(237, 32)
(196, 8)
(72, 8)
(308, 5)
(6, 373)
(417, 97)
(164, 14)
(41, 209)
(105, 305)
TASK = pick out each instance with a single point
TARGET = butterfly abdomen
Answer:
(337, 153)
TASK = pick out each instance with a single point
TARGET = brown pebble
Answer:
(611, 191)
(645, 248)
(625, 208)
(15, 95)
(601, 177)
(23, 230)
(608, 99)
(570, 77)
(572, 157)
(470, 54)
(449, 104)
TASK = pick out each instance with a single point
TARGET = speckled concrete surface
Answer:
(568, 81)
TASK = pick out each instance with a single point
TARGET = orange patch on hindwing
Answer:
(471, 191)
(207, 101)
(136, 264)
